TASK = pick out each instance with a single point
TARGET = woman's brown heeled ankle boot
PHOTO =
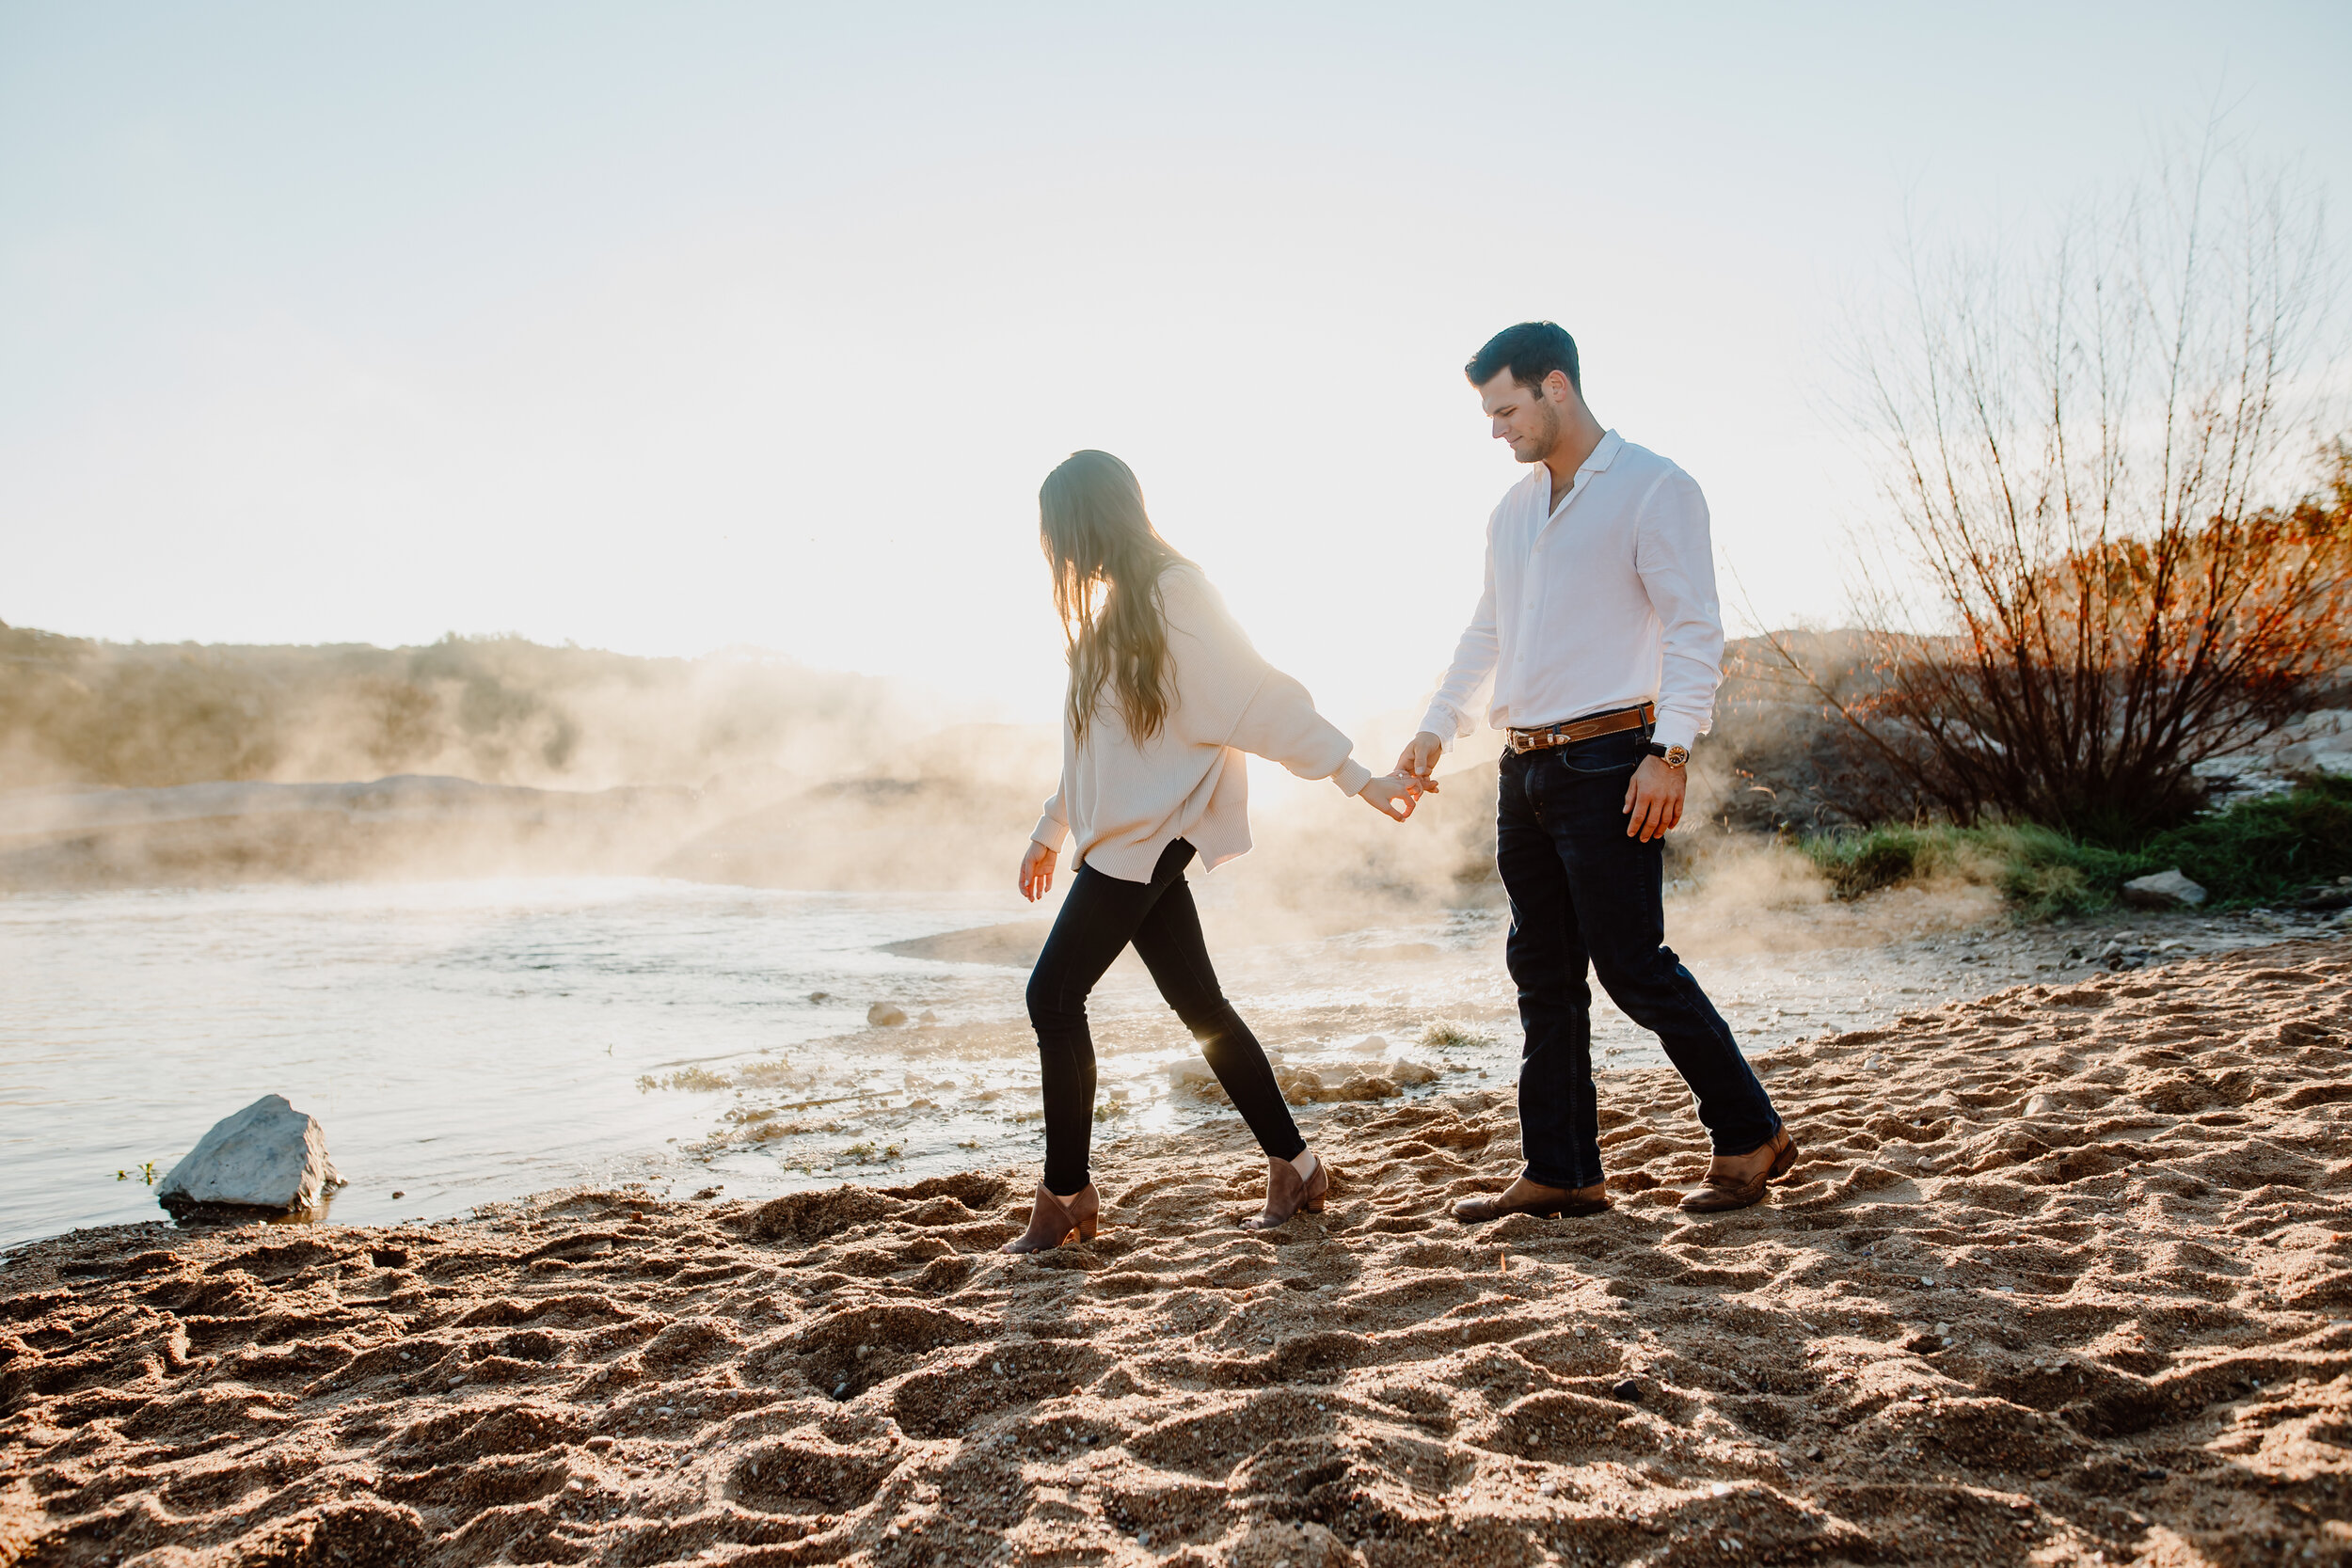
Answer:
(1287, 1193)
(1052, 1220)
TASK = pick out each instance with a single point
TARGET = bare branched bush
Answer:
(2098, 574)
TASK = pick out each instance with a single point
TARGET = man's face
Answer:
(1526, 416)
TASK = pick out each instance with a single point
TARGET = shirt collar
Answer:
(1597, 460)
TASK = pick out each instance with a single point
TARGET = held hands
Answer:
(1411, 780)
(1653, 800)
(1037, 871)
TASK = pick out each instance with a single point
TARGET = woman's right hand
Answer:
(1037, 871)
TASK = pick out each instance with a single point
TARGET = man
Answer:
(1600, 626)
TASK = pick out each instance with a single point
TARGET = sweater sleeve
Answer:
(1054, 826)
(1241, 700)
(1281, 724)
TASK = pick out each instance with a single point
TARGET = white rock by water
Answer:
(268, 1156)
(2166, 890)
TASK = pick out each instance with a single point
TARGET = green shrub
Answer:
(2264, 848)
(2258, 850)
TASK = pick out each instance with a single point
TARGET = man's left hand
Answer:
(1653, 801)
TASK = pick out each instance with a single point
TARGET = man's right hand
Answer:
(1419, 759)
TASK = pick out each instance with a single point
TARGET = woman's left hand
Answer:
(1382, 795)
(1037, 871)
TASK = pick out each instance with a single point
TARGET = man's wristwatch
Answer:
(1673, 756)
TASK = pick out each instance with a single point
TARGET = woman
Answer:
(1165, 694)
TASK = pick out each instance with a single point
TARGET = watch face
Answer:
(1677, 755)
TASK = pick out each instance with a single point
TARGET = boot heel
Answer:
(1087, 1227)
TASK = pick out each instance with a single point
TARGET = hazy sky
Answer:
(667, 327)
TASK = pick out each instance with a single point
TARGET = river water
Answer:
(469, 1041)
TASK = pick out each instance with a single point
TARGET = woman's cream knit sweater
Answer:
(1124, 801)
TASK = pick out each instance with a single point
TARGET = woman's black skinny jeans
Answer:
(1101, 915)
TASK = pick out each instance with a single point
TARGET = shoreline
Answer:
(2067, 1277)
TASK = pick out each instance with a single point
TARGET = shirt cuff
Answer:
(1352, 776)
(1446, 724)
(1675, 729)
(1049, 832)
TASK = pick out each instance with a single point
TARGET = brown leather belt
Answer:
(1584, 729)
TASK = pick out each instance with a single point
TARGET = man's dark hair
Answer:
(1529, 351)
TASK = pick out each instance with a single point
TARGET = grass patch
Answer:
(1855, 861)
(2252, 854)
(1448, 1035)
(2047, 875)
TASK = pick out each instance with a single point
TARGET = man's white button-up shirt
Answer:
(1600, 599)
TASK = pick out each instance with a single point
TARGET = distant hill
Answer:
(128, 764)
(496, 710)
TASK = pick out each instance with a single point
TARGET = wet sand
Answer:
(2062, 1274)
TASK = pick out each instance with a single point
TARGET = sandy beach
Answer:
(2061, 1279)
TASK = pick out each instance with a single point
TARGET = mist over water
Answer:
(575, 967)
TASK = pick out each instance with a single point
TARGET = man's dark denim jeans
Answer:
(1582, 893)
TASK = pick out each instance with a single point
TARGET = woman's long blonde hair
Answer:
(1108, 559)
